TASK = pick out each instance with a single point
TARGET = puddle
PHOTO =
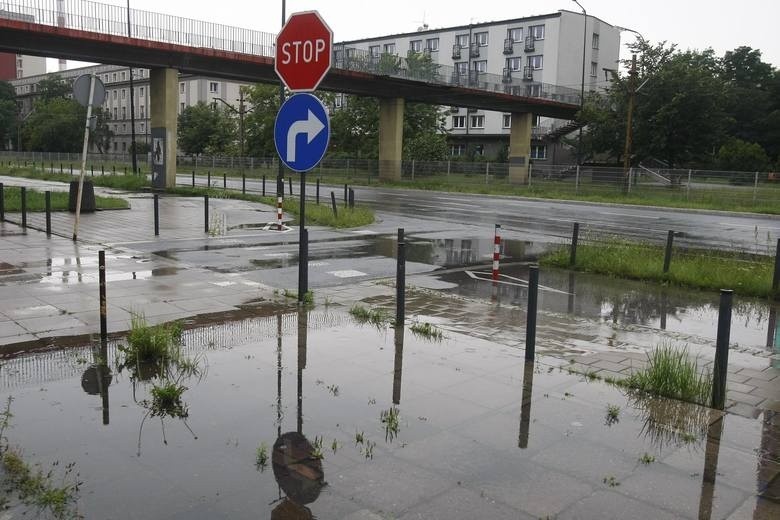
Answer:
(358, 420)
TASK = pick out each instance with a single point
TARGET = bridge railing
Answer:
(101, 18)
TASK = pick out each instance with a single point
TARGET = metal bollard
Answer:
(224, 181)
(24, 207)
(156, 215)
(303, 262)
(243, 182)
(102, 170)
(351, 198)
(400, 281)
(2, 203)
(345, 194)
(208, 179)
(47, 201)
(206, 213)
(333, 203)
(289, 181)
(60, 167)
(103, 305)
(575, 236)
(776, 277)
(193, 178)
(318, 193)
(668, 252)
(263, 185)
(722, 349)
(92, 170)
(71, 168)
(530, 322)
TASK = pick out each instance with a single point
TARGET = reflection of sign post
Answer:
(159, 136)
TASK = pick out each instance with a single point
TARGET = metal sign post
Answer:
(90, 98)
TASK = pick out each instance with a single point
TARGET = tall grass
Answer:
(670, 372)
(36, 200)
(120, 182)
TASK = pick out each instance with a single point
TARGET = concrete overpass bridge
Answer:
(91, 31)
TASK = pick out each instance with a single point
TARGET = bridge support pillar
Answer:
(164, 98)
(519, 147)
(391, 132)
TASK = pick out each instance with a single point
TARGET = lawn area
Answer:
(747, 275)
(59, 200)
(120, 182)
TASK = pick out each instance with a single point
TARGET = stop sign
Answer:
(303, 51)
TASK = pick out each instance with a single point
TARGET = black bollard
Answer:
(668, 252)
(208, 179)
(71, 168)
(125, 170)
(47, 201)
(2, 202)
(206, 213)
(224, 181)
(776, 277)
(525, 405)
(345, 194)
(530, 322)
(60, 167)
(351, 198)
(333, 203)
(289, 179)
(156, 215)
(400, 280)
(24, 207)
(193, 178)
(303, 262)
(102, 170)
(263, 185)
(318, 197)
(103, 305)
(575, 236)
(243, 182)
(92, 170)
(113, 169)
(720, 368)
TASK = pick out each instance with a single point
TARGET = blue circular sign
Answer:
(301, 132)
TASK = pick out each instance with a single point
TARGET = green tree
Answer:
(738, 155)
(53, 87)
(100, 137)
(206, 129)
(7, 113)
(55, 125)
(259, 123)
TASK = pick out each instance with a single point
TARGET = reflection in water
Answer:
(768, 473)
(297, 470)
(398, 363)
(97, 378)
(525, 407)
(669, 421)
(711, 452)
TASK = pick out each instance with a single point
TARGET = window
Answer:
(105, 78)
(124, 146)
(115, 146)
(124, 112)
(516, 34)
(479, 149)
(480, 66)
(538, 151)
(536, 120)
(373, 50)
(458, 121)
(514, 64)
(462, 40)
(18, 73)
(339, 101)
(113, 94)
(113, 76)
(535, 62)
(534, 90)
(415, 45)
(181, 107)
(593, 68)
(462, 67)
(115, 117)
(143, 112)
(141, 91)
(124, 128)
(477, 121)
(123, 93)
(457, 149)
(536, 32)
(181, 88)
(122, 75)
(142, 127)
(19, 63)
(432, 44)
(595, 40)
(213, 86)
(481, 39)
(389, 48)
(506, 120)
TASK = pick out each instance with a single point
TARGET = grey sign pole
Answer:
(84, 155)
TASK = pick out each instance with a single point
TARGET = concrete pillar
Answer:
(164, 100)
(519, 147)
(391, 133)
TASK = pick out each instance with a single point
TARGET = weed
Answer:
(166, 400)
(646, 459)
(368, 450)
(261, 457)
(671, 373)
(359, 438)
(613, 414)
(316, 452)
(217, 224)
(611, 481)
(151, 344)
(334, 390)
(377, 317)
(390, 421)
(334, 446)
(426, 330)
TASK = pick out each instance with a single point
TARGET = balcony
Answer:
(528, 73)
(456, 52)
(474, 52)
(509, 46)
(506, 76)
(530, 44)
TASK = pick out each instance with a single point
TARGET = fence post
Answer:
(775, 278)
(24, 207)
(668, 252)
(47, 198)
(156, 215)
(530, 321)
(345, 194)
(448, 168)
(487, 173)
(333, 203)
(575, 236)
(206, 213)
(688, 187)
(102, 289)
(351, 198)
(577, 180)
(722, 350)
(630, 180)
(530, 173)
(318, 191)
(412, 169)
(400, 281)
(755, 187)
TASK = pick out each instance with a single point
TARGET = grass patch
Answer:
(167, 400)
(120, 182)
(151, 343)
(427, 331)
(670, 372)
(391, 421)
(747, 275)
(377, 317)
(613, 414)
(36, 201)
(261, 457)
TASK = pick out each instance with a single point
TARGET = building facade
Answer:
(191, 91)
(539, 49)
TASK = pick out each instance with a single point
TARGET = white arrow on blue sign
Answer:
(302, 132)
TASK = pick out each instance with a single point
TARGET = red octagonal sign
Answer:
(303, 51)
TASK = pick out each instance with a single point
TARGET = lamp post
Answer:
(241, 113)
(632, 90)
(582, 83)
(132, 104)
(280, 172)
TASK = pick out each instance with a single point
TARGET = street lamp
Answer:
(632, 90)
(582, 84)
(133, 159)
(241, 112)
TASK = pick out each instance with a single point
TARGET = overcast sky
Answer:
(692, 24)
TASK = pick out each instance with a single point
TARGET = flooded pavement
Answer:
(360, 422)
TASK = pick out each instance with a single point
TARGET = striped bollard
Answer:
(496, 250)
(279, 213)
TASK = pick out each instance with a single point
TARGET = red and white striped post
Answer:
(496, 250)
(279, 213)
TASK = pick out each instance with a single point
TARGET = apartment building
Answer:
(192, 90)
(542, 49)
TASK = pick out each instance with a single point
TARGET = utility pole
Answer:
(133, 159)
(629, 117)
(280, 173)
(241, 112)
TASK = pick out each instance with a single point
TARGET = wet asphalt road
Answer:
(551, 220)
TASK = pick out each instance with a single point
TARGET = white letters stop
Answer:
(305, 51)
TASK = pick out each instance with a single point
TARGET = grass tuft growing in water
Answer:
(427, 331)
(151, 343)
(670, 372)
(376, 317)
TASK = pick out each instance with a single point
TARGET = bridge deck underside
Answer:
(43, 40)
